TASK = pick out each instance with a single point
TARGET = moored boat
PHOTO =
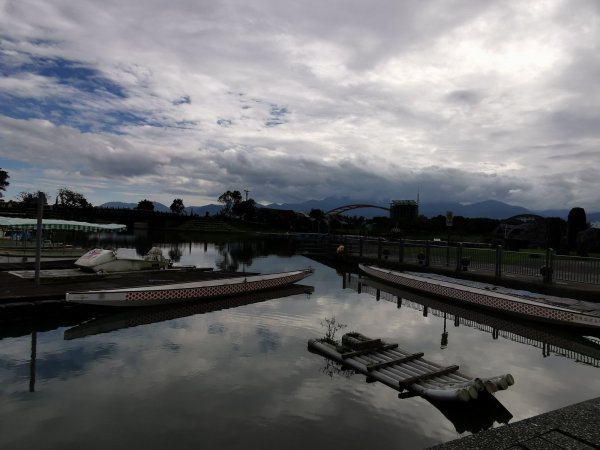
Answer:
(133, 317)
(502, 302)
(188, 291)
(102, 260)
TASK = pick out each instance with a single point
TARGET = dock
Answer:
(17, 286)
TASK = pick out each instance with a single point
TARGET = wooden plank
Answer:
(412, 380)
(360, 342)
(368, 350)
(404, 359)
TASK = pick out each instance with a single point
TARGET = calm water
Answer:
(237, 373)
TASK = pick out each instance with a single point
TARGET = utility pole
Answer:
(38, 236)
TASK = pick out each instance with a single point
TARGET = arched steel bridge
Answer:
(343, 209)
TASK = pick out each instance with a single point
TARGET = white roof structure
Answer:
(53, 224)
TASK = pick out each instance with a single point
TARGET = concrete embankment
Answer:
(573, 427)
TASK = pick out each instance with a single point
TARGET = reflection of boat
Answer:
(188, 291)
(141, 316)
(100, 260)
(557, 340)
(504, 303)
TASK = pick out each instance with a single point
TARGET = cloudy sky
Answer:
(459, 100)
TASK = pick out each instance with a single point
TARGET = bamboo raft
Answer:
(406, 371)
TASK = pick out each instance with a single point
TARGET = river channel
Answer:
(237, 373)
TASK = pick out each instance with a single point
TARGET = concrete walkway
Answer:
(573, 427)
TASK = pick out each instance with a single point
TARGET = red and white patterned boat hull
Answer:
(491, 300)
(188, 291)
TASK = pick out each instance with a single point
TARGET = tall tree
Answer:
(177, 206)
(229, 199)
(576, 222)
(245, 209)
(145, 205)
(3, 181)
(70, 199)
(28, 199)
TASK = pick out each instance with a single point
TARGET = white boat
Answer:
(133, 317)
(505, 303)
(187, 291)
(107, 261)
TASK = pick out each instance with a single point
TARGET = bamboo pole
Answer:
(427, 392)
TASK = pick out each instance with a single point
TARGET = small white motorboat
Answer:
(107, 261)
(187, 291)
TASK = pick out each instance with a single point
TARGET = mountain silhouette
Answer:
(490, 209)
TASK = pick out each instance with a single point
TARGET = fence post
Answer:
(401, 251)
(499, 261)
(458, 256)
(548, 268)
(379, 249)
(427, 253)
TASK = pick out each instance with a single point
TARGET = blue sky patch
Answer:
(185, 100)
(13, 164)
(68, 111)
(74, 74)
(277, 116)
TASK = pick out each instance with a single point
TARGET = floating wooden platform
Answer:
(407, 371)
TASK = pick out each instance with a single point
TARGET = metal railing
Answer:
(462, 256)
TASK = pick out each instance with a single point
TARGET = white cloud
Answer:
(490, 99)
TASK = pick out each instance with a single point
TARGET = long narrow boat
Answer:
(188, 291)
(121, 318)
(505, 303)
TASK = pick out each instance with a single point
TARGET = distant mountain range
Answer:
(491, 209)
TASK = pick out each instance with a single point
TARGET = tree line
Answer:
(564, 236)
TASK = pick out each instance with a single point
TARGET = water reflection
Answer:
(191, 381)
(239, 254)
(580, 347)
(480, 412)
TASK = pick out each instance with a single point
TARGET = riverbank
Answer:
(575, 426)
